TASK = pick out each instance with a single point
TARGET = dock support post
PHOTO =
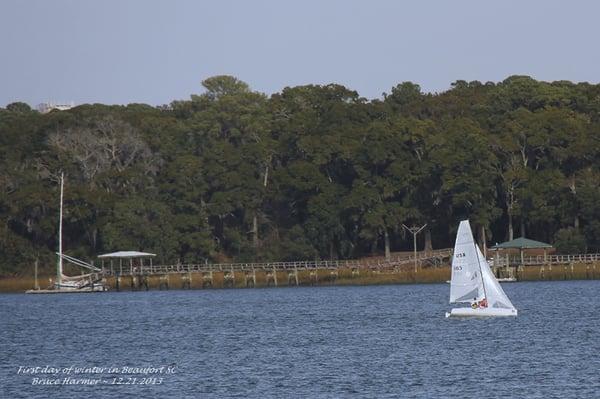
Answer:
(141, 280)
(520, 272)
(572, 269)
(333, 275)
(207, 279)
(314, 276)
(270, 277)
(228, 279)
(292, 277)
(186, 281)
(588, 274)
(164, 281)
(250, 278)
(275, 276)
(296, 274)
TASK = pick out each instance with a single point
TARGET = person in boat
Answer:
(481, 304)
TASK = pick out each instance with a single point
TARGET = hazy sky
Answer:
(123, 51)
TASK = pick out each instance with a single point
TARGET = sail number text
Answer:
(459, 255)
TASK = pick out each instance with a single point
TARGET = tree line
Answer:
(310, 172)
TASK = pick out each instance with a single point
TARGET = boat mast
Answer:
(59, 271)
(480, 271)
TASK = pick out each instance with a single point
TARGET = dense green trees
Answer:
(310, 172)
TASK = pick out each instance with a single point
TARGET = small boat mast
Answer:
(59, 270)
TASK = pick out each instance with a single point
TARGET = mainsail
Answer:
(466, 284)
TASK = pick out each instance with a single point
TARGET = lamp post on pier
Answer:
(414, 231)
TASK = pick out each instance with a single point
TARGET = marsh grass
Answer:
(579, 271)
(321, 277)
(20, 284)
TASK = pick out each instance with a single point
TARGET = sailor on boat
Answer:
(479, 304)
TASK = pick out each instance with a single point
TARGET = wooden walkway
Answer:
(435, 258)
(424, 259)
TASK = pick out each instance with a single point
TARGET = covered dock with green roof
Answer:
(522, 244)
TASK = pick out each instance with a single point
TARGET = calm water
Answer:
(330, 342)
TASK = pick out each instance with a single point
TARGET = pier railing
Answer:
(400, 262)
(544, 260)
(428, 258)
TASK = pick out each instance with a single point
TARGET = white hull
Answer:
(481, 312)
(67, 288)
(99, 287)
(500, 280)
(67, 291)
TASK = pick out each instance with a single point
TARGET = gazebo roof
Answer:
(127, 254)
(522, 243)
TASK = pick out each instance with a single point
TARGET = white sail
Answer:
(78, 278)
(496, 298)
(466, 284)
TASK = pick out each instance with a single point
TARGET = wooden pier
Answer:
(429, 266)
(138, 275)
(544, 260)
(431, 258)
(433, 267)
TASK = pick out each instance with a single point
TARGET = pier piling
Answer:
(333, 275)
(228, 279)
(556, 267)
(314, 277)
(250, 278)
(270, 278)
(186, 281)
(207, 279)
(293, 277)
(163, 282)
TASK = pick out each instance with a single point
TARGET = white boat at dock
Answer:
(90, 282)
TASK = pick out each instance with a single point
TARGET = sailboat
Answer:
(89, 282)
(473, 282)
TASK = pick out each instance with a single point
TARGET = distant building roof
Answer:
(522, 243)
(44, 108)
(127, 254)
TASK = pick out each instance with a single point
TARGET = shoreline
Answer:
(321, 277)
